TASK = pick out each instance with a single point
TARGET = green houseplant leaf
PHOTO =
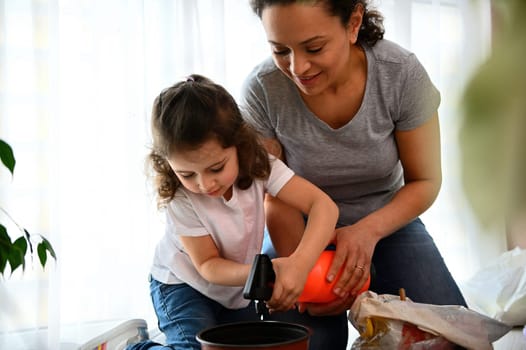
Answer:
(5, 246)
(17, 255)
(42, 249)
(7, 156)
(14, 253)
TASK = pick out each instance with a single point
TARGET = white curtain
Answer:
(77, 81)
(451, 38)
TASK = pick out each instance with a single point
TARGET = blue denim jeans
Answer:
(410, 259)
(407, 259)
(183, 312)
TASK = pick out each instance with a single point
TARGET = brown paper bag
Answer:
(387, 322)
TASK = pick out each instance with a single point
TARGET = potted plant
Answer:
(492, 135)
(13, 252)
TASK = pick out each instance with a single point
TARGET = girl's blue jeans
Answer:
(408, 258)
(183, 312)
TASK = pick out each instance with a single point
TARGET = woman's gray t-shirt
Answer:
(358, 164)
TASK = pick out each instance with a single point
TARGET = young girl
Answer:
(211, 176)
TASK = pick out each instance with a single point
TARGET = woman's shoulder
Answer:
(388, 52)
(267, 82)
(264, 68)
(266, 74)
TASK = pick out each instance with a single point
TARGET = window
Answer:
(77, 81)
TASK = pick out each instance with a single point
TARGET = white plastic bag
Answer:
(499, 289)
(386, 322)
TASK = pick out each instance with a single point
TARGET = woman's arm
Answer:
(419, 151)
(211, 266)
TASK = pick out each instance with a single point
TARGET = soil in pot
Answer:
(271, 335)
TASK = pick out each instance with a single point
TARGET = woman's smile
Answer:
(307, 80)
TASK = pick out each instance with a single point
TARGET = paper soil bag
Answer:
(387, 322)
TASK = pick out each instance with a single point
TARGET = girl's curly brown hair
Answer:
(190, 113)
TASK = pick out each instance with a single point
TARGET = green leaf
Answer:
(42, 249)
(17, 254)
(4, 237)
(3, 262)
(49, 248)
(42, 254)
(5, 247)
(7, 156)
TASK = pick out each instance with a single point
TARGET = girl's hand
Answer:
(290, 280)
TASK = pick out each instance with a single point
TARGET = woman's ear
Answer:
(355, 22)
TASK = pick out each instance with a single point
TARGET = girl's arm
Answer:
(285, 224)
(210, 265)
(322, 214)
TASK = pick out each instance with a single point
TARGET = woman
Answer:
(356, 115)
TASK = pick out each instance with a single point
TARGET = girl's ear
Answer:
(355, 22)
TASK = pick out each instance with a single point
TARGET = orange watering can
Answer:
(317, 289)
(259, 284)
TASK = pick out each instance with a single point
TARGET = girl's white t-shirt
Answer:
(236, 226)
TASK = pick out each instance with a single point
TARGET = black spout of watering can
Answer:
(260, 281)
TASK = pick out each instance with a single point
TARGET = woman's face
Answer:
(210, 169)
(309, 45)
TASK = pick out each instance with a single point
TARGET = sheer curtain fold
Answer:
(77, 80)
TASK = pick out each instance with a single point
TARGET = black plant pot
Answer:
(271, 335)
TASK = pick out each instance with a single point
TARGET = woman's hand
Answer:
(354, 251)
(290, 280)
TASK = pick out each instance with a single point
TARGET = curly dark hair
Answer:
(190, 113)
(372, 28)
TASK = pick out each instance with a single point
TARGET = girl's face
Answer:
(210, 170)
(309, 45)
